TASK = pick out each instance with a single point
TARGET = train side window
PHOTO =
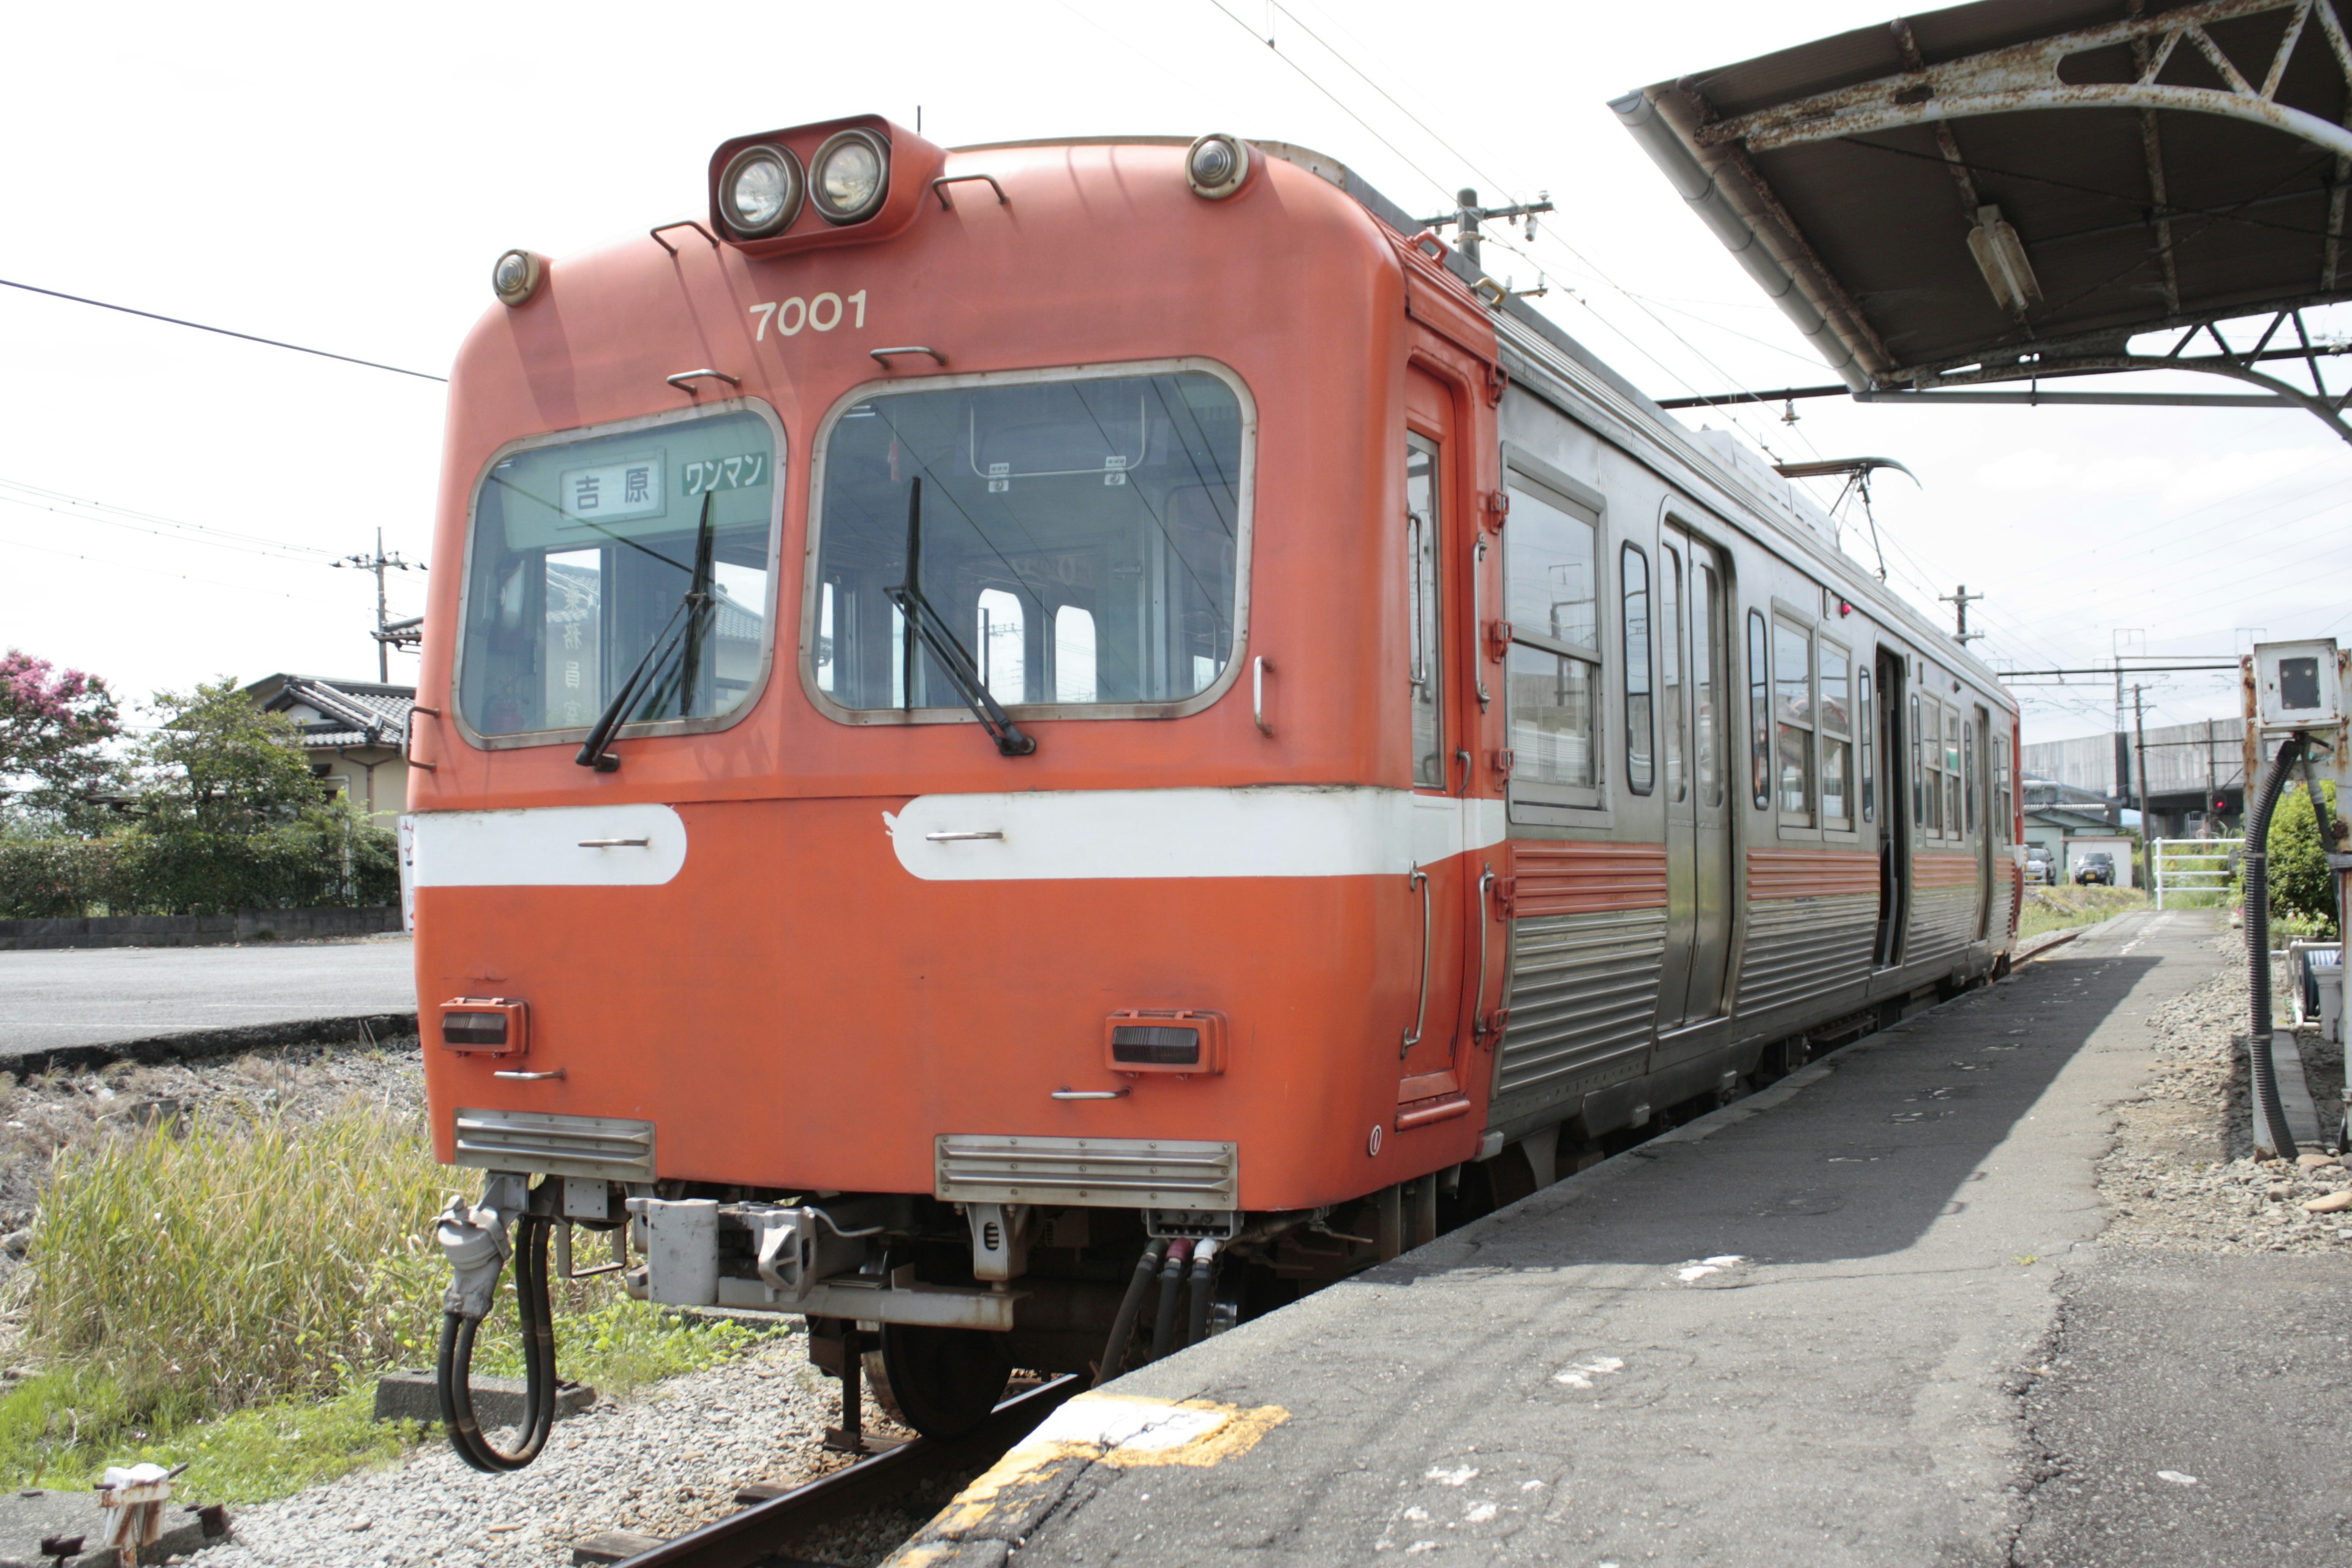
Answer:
(1952, 829)
(1640, 723)
(1551, 684)
(1670, 668)
(1837, 735)
(1793, 722)
(1426, 673)
(1866, 737)
(1969, 771)
(1707, 679)
(2005, 817)
(1759, 714)
(1917, 767)
(1003, 644)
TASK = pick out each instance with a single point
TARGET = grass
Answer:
(2056, 909)
(227, 1295)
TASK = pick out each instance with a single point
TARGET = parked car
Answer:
(2098, 865)
(2037, 868)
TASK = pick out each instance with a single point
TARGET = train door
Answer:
(1691, 637)
(1442, 885)
(1894, 812)
(1976, 744)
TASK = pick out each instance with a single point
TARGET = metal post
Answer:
(1467, 216)
(2139, 729)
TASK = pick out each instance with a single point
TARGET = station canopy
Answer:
(2037, 190)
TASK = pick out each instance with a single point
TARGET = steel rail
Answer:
(745, 1537)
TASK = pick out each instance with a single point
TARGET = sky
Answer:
(344, 179)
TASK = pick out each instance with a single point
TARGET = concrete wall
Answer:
(197, 930)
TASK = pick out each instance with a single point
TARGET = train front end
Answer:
(903, 821)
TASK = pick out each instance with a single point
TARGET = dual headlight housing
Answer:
(765, 184)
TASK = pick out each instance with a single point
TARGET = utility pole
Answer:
(1467, 215)
(1961, 603)
(2139, 730)
(380, 563)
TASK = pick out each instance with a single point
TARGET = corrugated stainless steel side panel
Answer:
(1943, 921)
(1800, 948)
(1584, 988)
(1095, 1173)
(547, 1144)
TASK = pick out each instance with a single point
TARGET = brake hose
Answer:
(2271, 1130)
(454, 1370)
(1122, 1328)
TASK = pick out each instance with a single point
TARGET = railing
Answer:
(2192, 873)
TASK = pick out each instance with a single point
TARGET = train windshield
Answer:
(1080, 535)
(583, 555)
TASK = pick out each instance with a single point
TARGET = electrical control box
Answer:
(2300, 685)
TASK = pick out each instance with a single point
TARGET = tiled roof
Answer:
(354, 712)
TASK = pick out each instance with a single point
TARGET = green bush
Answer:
(2303, 889)
(328, 857)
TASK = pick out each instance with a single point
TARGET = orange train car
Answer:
(1032, 749)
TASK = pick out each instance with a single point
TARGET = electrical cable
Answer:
(2270, 1130)
(224, 331)
(1122, 1327)
(454, 1362)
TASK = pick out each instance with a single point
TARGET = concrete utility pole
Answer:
(1961, 603)
(1467, 215)
(2147, 853)
(380, 563)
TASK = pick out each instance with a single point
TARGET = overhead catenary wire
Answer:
(224, 331)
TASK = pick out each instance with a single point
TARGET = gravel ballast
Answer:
(2182, 1174)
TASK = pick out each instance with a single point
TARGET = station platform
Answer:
(1792, 1332)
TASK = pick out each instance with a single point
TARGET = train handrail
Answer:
(1420, 879)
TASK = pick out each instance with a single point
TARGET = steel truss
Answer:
(2028, 77)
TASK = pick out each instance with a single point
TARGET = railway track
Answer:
(767, 1526)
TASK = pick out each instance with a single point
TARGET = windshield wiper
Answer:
(933, 628)
(695, 608)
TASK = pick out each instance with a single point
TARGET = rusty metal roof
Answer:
(2016, 188)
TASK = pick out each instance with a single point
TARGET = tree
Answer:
(56, 728)
(2301, 883)
(221, 764)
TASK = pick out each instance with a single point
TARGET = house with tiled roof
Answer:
(352, 730)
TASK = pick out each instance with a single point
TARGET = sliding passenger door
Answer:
(1692, 629)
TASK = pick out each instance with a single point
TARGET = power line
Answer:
(218, 539)
(224, 331)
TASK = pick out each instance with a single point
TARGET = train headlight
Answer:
(515, 276)
(761, 191)
(1216, 166)
(852, 176)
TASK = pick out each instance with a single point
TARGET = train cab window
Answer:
(589, 555)
(1760, 714)
(1866, 736)
(1552, 679)
(1426, 644)
(1074, 654)
(1640, 723)
(1793, 722)
(1081, 534)
(1836, 713)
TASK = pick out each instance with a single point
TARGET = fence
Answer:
(2192, 873)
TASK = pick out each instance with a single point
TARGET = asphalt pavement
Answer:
(1858, 1319)
(85, 997)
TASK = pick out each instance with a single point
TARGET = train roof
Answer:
(1746, 480)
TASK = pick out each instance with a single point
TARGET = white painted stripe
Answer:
(542, 848)
(1282, 830)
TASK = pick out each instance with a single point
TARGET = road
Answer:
(100, 996)
(1857, 1319)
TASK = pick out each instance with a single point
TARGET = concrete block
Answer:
(412, 1395)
